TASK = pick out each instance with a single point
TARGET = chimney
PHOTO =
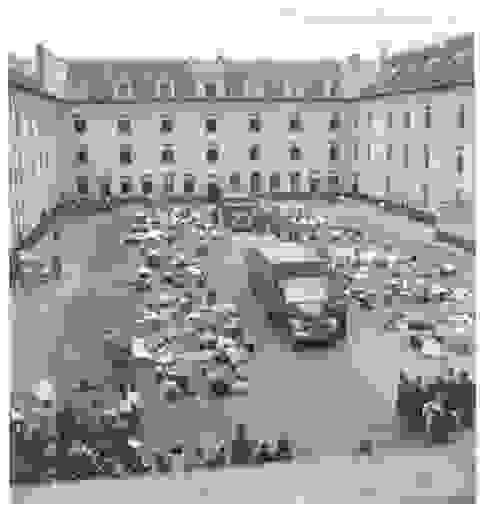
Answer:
(40, 64)
(383, 54)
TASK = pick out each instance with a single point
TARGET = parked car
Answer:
(447, 269)
(428, 346)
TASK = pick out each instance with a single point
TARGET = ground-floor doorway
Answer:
(214, 192)
(105, 190)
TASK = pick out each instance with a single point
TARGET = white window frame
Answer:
(167, 147)
(132, 129)
(158, 87)
(130, 89)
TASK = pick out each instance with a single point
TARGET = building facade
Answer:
(400, 127)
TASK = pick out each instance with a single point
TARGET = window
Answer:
(333, 151)
(212, 154)
(189, 183)
(82, 155)
(124, 125)
(166, 124)
(235, 181)
(460, 116)
(335, 121)
(211, 124)
(125, 185)
(80, 125)
(334, 90)
(126, 154)
(356, 151)
(256, 182)
(389, 151)
(210, 89)
(255, 152)
(388, 184)
(11, 107)
(275, 181)
(428, 116)
(389, 119)
(255, 123)
(333, 179)
(18, 124)
(295, 153)
(294, 182)
(407, 120)
(169, 182)
(370, 152)
(427, 156)
(165, 89)
(460, 160)
(228, 91)
(318, 87)
(314, 181)
(35, 167)
(167, 154)
(405, 155)
(370, 119)
(295, 122)
(124, 89)
(147, 185)
(46, 160)
(82, 185)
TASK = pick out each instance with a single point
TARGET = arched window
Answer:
(256, 182)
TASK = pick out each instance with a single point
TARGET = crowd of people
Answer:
(437, 408)
(112, 446)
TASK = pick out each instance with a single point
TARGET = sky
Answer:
(304, 29)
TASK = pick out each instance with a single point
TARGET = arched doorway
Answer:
(256, 182)
(355, 185)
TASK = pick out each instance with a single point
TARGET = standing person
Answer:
(467, 399)
(240, 447)
(57, 267)
(416, 419)
(439, 420)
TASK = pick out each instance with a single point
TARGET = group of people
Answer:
(113, 446)
(436, 408)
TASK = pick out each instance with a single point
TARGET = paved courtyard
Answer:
(325, 401)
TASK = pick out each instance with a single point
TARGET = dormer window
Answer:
(124, 89)
(209, 89)
(165, 89)
(295, 122)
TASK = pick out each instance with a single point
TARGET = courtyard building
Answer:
(94, 128)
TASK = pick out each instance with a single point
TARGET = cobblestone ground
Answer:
(325, 401)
